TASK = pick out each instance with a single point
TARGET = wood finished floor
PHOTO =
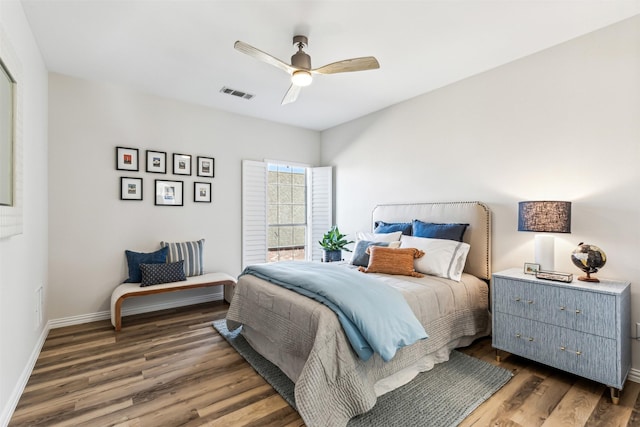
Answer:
(171, 368)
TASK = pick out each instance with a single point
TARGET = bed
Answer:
(306, 341)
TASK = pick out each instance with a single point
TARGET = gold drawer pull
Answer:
(578, 312)
(518, 335)
(517, 299)
(578, 353)
(562, 307)
(530, 301)
(562, 348)
(530, 338)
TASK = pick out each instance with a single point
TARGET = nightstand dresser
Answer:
(578, 327)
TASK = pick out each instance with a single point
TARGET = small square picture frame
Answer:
(156, 161)
(168, 193)
(130, 188)
(206, 166)
(127, 159)
(531, 268)
(181, 164)
(202, 192)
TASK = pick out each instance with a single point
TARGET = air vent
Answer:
(234, 92)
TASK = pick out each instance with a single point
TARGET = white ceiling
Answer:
(183, 49)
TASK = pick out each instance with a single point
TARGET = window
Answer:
(11, 143)
(7, 122)
(285, 210)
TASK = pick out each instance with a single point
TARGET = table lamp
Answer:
(544, 217)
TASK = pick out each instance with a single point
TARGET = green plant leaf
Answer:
(333, 240)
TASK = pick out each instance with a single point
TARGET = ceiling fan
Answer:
(300, 68)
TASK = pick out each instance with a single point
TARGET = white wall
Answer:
(90, 227)
(23, 258)
(559, 125)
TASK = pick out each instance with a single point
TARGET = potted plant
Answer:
(333, 243)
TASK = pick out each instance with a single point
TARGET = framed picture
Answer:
(156, 161)
(127, 159)
(130, 188)
(181, 164)
(202, 192)
(531, 268)
(168, 193)
(206, 166)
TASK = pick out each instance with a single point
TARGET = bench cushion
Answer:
(133, 289)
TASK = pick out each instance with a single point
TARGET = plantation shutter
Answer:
(254, 212)
(319, 208)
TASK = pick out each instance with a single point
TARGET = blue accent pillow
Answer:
(155, 274)
(390, 227)
(134, 259)
(439, 231)
(360, 256)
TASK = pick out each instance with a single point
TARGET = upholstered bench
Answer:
(127, 290)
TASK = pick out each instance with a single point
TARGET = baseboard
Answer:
(102, 315)
(12, 402)
(634, 375)
(10, 407)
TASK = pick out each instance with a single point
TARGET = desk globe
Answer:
(588, 258)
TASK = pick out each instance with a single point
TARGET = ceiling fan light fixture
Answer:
(300, 68)
(301, 78)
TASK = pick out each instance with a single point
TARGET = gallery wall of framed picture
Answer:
(169, 191)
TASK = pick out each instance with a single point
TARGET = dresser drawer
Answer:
(518, 298)
(597, 358)
(580, 353)
(584, 311)
(530, 339)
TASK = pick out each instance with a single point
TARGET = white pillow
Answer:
(379, 237)
(442, 258)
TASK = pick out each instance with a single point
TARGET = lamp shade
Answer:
(544, 216)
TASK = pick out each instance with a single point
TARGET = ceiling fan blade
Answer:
(348, 65)
(262, 56)
(291, 95)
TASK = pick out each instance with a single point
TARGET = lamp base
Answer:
(543, 250)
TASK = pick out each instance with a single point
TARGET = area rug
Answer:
(441, 397)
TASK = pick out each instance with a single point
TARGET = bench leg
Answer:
(118, 314)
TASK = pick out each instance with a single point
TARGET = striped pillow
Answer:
(190, 253)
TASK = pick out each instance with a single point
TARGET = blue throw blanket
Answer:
(375, 317)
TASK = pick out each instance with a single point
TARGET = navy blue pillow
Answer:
(390, 227)
(134, 259)
(360, 256)
(155, 274)
(439, 231)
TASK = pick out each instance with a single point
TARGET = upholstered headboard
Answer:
(476, 214)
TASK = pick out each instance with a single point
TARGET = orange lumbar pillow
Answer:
(392, 260)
